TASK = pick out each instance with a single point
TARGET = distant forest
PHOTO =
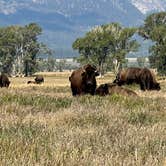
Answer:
(106, 46)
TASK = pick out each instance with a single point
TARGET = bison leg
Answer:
(148, 85)
(93, 91)
(74, 91)
(142, 85)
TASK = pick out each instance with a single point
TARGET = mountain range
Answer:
(63, 21)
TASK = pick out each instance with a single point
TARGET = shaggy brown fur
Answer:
(39, 79)
(110, 89)
(83, 80)
(148, 81)
(4, 81)
(142, 76)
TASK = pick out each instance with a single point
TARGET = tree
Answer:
(104, 43)
(154, 28)
(51, 63)
(60, 65)
(19, 48)
(31, 47)
(141, 61)
(7, 51)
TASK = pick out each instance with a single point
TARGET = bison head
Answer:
(88, 77)
(118, 80)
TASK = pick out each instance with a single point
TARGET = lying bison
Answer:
(38, 80)
(142, 76)
(4, 81)
(110, 89)
(83, 80)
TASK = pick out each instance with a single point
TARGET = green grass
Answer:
(45, 103)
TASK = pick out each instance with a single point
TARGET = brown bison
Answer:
(4, 81)
(110, 89)
(83, 80)
(39, 79)
(142, 76)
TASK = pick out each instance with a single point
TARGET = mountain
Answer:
(65, 20)
(148, 6)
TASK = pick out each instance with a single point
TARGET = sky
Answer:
(11, 6)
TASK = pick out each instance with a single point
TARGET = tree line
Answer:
(18, 48)
(106, 46)
(21, 52)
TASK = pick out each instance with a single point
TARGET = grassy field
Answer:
(44, 125)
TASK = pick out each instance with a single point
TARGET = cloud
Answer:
(11, 6)
(7, 7)
(40, 1)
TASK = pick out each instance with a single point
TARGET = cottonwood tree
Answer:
(19, 48)
(60, 65)
(31, 47)
(7, 50)
(154, 28)
(106, 43)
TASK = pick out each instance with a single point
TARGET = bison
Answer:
(83, 80)
(110, 89)
(142, 76)
(39, 79)
(4, 81)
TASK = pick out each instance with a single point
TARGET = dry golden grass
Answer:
(45, 125)
(53, 79)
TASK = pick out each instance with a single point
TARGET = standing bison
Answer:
(142, 76)
(4, 81)
(83, 80)
(110, 89)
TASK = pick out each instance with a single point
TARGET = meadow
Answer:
(44, 125)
